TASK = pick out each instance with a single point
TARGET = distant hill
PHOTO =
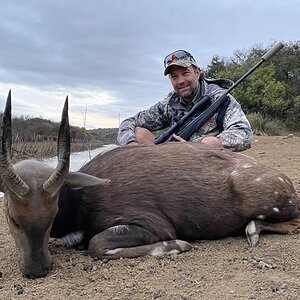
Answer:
(38, 129)
(109, 135)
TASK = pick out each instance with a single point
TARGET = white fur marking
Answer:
(258, 179)
(234, 173)
(246, 166)
(261, 217)
(276, 209)
(72, 239)
(174, 251)
(113, 251)
(251, 228)
(157, 251)
(118, 229)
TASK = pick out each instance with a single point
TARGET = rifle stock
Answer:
(186, 126)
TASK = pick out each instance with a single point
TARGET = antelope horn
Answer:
(57, 178)
(10, 179)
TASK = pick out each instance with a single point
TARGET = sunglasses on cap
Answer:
(175, 56)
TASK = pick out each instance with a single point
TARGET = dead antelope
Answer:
(159, 198)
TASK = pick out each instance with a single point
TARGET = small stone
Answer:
(88, 268)
(284, 286)
(19, 288)
(132, 263)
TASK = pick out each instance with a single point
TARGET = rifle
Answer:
(188, 125)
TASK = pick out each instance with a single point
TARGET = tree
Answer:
(262, 93)
(273, 89)
(215, 67)
(287, 67)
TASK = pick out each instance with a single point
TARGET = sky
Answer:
(107, 55)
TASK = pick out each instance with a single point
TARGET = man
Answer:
(229, 129)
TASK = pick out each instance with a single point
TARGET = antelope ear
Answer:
(77, 180)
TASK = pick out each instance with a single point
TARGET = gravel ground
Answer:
(221, 269)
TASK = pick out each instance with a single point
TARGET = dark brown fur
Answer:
(183, 191)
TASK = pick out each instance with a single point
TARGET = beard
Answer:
(187, 93)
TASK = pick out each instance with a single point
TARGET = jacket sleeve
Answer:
(154, 118)
(237, 133)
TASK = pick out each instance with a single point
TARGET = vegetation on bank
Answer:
(37, 138)
(46, 149)
(29, 129)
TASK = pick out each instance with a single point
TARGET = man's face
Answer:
(185, 81)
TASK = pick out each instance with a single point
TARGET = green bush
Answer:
(265, 125)
(292, 116)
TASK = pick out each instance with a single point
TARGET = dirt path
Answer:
(222, 269)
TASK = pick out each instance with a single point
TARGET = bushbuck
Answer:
(138, 200)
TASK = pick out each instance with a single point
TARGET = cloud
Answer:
(107, 55)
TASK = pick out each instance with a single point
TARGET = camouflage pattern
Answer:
(185, 62)
(237, 132)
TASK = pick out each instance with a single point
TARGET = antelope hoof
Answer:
(252, 234)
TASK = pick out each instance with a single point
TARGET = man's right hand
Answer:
(178, 138)
(133, 143)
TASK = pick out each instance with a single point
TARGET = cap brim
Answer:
(180, 63)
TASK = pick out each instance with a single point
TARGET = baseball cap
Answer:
(180, 58)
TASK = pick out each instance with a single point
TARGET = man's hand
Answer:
(144, 136)
(178, 138)
(212, 141)
(133, 143)
(209, 140)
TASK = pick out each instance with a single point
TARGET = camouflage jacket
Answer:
(236, 133)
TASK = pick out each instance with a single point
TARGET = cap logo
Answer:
(174, 57)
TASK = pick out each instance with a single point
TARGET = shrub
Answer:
(265, 125)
